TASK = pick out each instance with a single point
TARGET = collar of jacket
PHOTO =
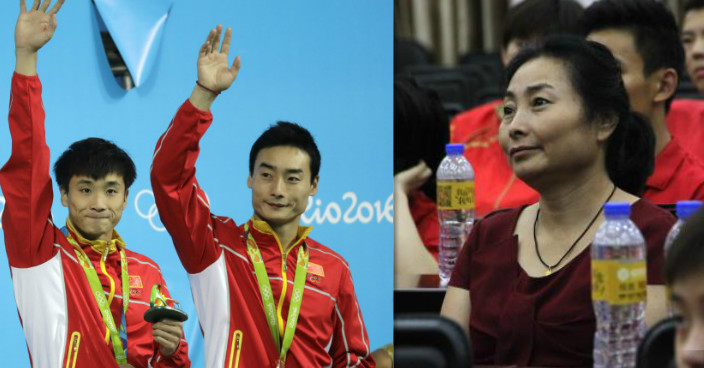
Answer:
(97, 245)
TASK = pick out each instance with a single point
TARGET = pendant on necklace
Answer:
(548, 272)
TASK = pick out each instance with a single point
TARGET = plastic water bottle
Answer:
(619, 280)
(684, 210)
(456, 206)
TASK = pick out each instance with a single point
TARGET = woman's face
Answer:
(543, 129)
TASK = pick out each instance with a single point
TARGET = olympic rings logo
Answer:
(266, 292)
(151, 213)
(296, 296)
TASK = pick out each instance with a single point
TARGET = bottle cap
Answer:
(454, 148)
(617, 209)
(685, 209)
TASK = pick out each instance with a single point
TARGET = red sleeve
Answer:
(182, 206)
(350, 343)
(179, 359)
(461, 275)
(25, 180)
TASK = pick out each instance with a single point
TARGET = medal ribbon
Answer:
(99, 295)
(268, 297)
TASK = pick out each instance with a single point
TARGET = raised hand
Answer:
(35, 27)
(213, 71)
(33, 30)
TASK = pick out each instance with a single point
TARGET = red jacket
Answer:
(685, 121)
(59, 315)
(677, 176)
(495, 184)
(330, 330)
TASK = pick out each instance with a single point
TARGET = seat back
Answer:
(657, 349)
(430, 340)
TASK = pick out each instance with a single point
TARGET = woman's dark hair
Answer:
(420, 129)
(94, 158)
(596, 77)
(686, 256)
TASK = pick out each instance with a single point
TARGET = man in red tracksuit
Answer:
(250, 282)
(81, 295)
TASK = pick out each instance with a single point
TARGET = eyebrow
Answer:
(531, 89)
(112, 183)
(287, 171)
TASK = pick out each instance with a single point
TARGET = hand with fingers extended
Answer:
(167, 334)
(33, 30)
(213, 71)
(35, 27)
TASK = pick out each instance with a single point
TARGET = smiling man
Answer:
(266, 294)
(81, 295)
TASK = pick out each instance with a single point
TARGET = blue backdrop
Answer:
(326, 65)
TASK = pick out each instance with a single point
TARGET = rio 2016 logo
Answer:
(356, 210)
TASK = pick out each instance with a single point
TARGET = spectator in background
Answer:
(478, 128)
(643, 36)
(686, 117)
(524, 273)
(420, 135)
(693, 41)
(684, 274)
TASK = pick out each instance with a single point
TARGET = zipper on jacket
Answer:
(236, 348)
(73, 350)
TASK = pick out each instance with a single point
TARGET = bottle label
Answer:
(456, 195)
(618, 283)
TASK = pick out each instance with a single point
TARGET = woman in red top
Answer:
(569, 133)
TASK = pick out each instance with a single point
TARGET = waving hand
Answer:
(33, 30)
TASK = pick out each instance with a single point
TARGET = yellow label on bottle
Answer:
(456, 195)
(619, 283)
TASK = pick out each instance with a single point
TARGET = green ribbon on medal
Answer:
(268, 297)
(99, 295)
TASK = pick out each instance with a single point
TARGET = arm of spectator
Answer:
(410, 254)
(457, 307)
(656, 304)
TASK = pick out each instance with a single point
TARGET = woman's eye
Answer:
(505, 111)
(539, 101)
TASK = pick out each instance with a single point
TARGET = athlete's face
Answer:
(95, 206)
(281, 184)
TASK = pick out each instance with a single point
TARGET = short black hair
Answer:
(686, 255)
(690, 5)
(533, 19)
(595, 75)
(285, 133)
(94, 158)
(654, 30)
(420, 129)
